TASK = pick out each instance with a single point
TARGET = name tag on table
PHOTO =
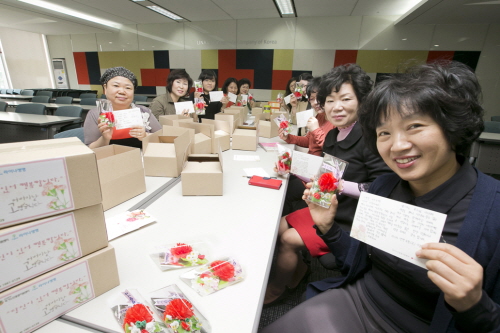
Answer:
(395, 227)
(216, 96)
(181, 106)
(128, 118)
(303, 117)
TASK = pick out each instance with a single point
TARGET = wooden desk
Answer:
(15, 127)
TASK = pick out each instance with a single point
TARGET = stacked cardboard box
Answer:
(54, 253)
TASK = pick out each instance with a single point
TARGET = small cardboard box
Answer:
(37, 302)
(202, 175)
(237, 111)
(165, 151)
(230, 118)
(221, 131)
(204, 137)
(256, 111)
(42, 245)
(121, 174)
(246, 137)
(45, 178)
(174, 119)
(267, 126)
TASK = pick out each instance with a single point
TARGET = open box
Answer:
(246, 137)
(165, 150)
(203, 141)
(222, 130)
(242, 116)
(174, 119)
(45, 178)
(267, 126)
(202, 175)
(230, 118)
(121, 174)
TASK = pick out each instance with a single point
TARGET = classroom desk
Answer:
(490, 137)
(15, 127)
(243, 223)
(49, 106)
(19, 97)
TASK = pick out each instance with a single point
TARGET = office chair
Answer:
(3, 106)
(9, 91)
(492, 126)
(64, 100)
(76, 132)
(40, 99)
(495, 118)
(27, 92)
(31, 108)
(70, 111)
(88, 101)
(16, 91)
(3, 91)
(139, 98)
(44, 93)
(88, 95)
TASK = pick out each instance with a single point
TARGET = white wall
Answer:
(26, 59)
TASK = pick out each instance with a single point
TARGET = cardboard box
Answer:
(222, 129)
(242, 116)
(121, 174)
(37, 302)
(256, 111)
(165, 150)
(267, 126)
(204, 137)
(45, 178)
(230, 118)
(246, 138)
(34, 248)
(202, 175)
(174, 119)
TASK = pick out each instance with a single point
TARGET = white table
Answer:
(243, 223)
(60, 325)
(12, 96)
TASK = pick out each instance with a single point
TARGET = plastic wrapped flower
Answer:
(327, 182)
(222, 269)
(179, 316)
(323, 188)
(139, 319)
(181, 250)
(284, 163)
(182, 255)
(108, 118)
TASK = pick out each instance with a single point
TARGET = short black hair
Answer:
(305, 76)
(449, 92)
(178, 74)
(244, 81)
(208, 74)
(337, 76)
(226, 84)
(313, 86)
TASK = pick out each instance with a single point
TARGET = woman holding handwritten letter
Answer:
(118, 84)
(422, 123)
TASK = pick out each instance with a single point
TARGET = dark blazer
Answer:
(364, 167)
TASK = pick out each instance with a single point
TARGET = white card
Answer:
(128, 118)
(305, 166)
(216, 96)
(232, 97)
(287, 99)
(126, 222)
(181, 106)
(394, 227)
(256, 172)
(303, 117)
(248, 158)
(244, 98)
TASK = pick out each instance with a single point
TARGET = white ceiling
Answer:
(22, 16)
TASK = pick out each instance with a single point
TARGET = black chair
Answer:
(88, 101)
(27, 92)
(495, 118)
(88, 95)
(103, 96)
(64, 100)
(9, 91)
(3, 106)
(3, 91)
(32, 108)
(44, 93)
(40, 99)
(492, 126)
(16, 91)
(139, 98)
(70, 111)
(77, 132)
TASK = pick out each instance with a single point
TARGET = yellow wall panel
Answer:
(210, 59)
(132, 60)
(283, 60)
(98, 88)
(373, 61)
(274, 94)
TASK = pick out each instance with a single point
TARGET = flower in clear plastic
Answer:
(222, 269)
(327, 182)
(179, 309)
(181, 250)
(108, 118)
(284, 124)
(317, 196)
(135, 317)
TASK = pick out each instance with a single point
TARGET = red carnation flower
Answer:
(138, 312)
(327, 183)
(284, 124)
(317, 196)
(297, 94)
(286, 155)
(223, 269)
(281, 165)
(179, 309)
(181, 250)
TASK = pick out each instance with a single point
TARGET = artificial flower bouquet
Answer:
(214, 276)
(198, 86)
(279, 98)
(177, 312)
(199, 105)
(105, 109)
(299, 90)
(283, 123)
(326, 182)
(284, 160)
(180, 255)
(133, 314)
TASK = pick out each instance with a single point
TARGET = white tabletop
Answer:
(490, 137)
(33, 119)
(11, 96)
(48, 105)
(242, 223)
(60, 325)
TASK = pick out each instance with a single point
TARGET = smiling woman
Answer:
(178, 85)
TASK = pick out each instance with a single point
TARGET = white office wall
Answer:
(60, 47)
(26, 59)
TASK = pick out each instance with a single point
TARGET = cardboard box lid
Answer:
(245, 132)
(160, 150)
(115, 161)
(219, 125)
(173, 119)
(220, 134)
(202, 167)
(205, 129)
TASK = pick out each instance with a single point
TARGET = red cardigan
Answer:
(313, 140)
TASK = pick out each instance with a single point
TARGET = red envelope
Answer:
(265, 182)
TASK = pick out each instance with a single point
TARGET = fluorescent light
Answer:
(285, 7)
(164, 12)
(71, 12)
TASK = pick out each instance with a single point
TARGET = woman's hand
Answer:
(224, 100)
(322, 217)
(282, 134)
(106, 131)
(198, 94)
(138, 132)
(312, 124)
(458, 276)
(293, 100)
(185, 112)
